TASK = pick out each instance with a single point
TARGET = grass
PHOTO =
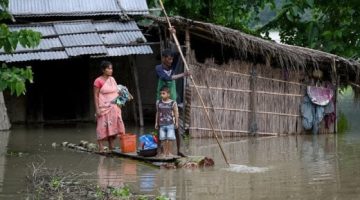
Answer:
(44, 183)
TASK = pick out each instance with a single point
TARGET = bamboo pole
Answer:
(333, 64)
(138, 95)
(188, 49)
(193, 82)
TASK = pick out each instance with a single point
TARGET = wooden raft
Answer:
(166, 162)
(135, 156)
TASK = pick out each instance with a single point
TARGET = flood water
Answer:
(297, 167)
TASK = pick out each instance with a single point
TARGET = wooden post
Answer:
(133, 67)
(253, 125)
(133, 106)
(333, 65)
(4, 119)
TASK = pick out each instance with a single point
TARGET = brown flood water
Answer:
(297, 167)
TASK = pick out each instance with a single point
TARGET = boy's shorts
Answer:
(167, 132)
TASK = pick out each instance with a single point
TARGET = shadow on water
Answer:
(299, 167)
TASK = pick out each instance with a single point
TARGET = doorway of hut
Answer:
(60, 90)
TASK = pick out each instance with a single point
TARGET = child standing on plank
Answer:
(167, 119)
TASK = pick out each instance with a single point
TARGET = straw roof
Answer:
(287, 56)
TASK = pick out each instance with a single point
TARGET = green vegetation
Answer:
(55, 183)
(44, 183)
(330, 26)
(13, 78)
(99, 192)
(161, 198)
(343, 124)
(123, 193)
(16, 153)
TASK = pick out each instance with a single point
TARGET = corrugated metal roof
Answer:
(122, 37)
(48, 55)
(23, 8)
(73, 39)
(27, 8)
(130, 50)
(77, 51)
(74, 27)
(116, 26)
(45, 44)
(45, 30)
(80, 39)
(134, 7)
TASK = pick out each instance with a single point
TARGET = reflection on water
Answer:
(298, 167)
(109, 173)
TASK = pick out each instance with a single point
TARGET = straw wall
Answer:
(243, 98)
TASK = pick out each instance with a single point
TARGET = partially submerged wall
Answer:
(245, 98)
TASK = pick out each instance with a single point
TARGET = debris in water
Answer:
(245, 169)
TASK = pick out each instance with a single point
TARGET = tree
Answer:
(237, 14)
(326, 25)
(13, 78)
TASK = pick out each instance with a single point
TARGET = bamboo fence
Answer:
(245, 98)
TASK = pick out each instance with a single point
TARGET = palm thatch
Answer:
(286, 56)
(260, 89)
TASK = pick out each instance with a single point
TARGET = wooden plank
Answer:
(134, 155)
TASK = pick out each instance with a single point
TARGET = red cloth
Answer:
(99, 82)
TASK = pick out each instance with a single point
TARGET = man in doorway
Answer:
(166, 77)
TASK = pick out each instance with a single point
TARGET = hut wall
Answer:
(227, 91)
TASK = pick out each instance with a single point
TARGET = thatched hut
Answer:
(252, 85)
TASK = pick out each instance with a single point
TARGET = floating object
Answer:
(83, 143)
(245, 169)
(194, 162)
(64, 144)
(319, 95)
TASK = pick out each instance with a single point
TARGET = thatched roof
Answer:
(288, 56)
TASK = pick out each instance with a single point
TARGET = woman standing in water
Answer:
(108, 115)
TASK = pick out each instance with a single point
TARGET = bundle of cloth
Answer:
(124, 96)
(317, 104)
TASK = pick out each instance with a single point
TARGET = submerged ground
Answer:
(294, 167)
